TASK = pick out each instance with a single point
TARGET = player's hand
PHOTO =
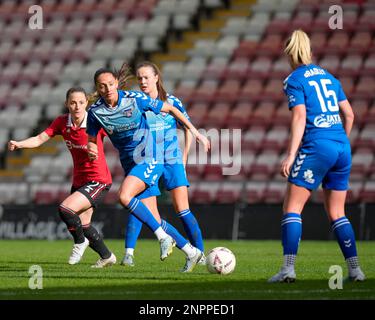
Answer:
(92, 151)
(286, 164)
(13, 145)
(202, 139)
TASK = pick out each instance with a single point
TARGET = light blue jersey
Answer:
(325, 154)
(130, 134)
(164, 128)
(320, 92)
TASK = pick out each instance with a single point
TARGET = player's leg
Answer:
(133, 229)
(193, 254)
(175, 181)
(134, 225)
(335, 186)
(96, 241)
(291, 230)
(130, 188)
(69, 211)
(180, 201)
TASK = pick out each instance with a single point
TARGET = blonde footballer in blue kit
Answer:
(316, 100)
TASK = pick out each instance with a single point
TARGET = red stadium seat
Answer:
(246, 49)
(360, 42)
(263, 114)
(251, 90)
(275, 192)
(253, 138)
(254, 191)
(218, 115)
(350, 65)
(228, 91)
(198, 113)
(237, 69)
(240, 115)
(368, 192)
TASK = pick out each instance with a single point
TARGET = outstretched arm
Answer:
(180, 116)
(32, 142)
(188, 141)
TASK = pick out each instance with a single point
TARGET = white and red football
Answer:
(221, 260)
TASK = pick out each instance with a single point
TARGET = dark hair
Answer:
(123, 75)
(104, 70)
(75, 89)
(162, 93)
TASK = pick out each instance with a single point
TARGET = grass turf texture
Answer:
(152, 279)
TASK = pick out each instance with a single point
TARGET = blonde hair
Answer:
(298, 48)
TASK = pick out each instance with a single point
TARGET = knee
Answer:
(124, 199)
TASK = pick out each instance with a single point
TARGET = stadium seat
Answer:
(254, 191)
(274, 192)
(368, 192)
(240, 115)
(229, 192)
(252, 140)
(228, 91)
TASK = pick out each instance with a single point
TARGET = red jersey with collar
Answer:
(76, 140)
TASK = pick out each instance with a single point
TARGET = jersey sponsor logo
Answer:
(313, 72)
(326, 121)
(71, 145)
(308, 176)
(128, 113)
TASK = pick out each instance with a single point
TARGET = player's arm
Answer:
(92, 148)
(188, 141)
(347, 115)
(168, 108)
(296, 133)
(32, 142)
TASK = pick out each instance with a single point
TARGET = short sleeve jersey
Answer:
(320, 92)
(164, 128)
(125, 124)
(76, 139)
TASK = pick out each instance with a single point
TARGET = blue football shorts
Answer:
(322, 161)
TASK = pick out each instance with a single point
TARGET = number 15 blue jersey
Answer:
(320, 92)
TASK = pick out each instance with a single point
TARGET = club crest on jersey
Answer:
(110, 129)
(128, 112)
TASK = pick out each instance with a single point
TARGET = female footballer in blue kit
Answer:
(316, 100)
(122, 115)
(164, 126)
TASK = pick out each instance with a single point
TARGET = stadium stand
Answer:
(222, 58)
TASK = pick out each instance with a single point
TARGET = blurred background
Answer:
(223, 59)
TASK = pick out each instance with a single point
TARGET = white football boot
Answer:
(101, 263)
(356, 275)
(192, 262)
(77, 252)
(128, 260)
(285, 275)
(166, 247)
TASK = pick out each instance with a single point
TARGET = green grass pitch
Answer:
(153, 280)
